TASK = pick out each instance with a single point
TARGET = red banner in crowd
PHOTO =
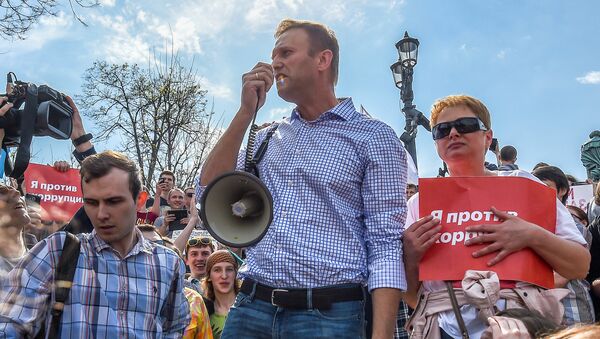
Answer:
(465, 201)
(60, 192)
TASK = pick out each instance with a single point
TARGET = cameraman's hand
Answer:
(4, 107)
(61, 166)
(78, 129)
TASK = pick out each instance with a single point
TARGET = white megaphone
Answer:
(237, 209)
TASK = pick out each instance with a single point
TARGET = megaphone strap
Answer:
(262, 149)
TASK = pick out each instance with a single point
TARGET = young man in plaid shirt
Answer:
(124, 285)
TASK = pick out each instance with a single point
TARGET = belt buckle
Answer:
(273, 295)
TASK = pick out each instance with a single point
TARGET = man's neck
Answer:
(125, 245)
(316, 103)
(11, 242)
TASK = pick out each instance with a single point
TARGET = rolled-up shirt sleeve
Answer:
(384, 198)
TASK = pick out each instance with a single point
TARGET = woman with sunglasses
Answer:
(461, 129)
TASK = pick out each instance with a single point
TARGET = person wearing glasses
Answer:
(461, 129)
(187, 198)
(197, 251)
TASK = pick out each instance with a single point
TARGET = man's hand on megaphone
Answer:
(255, 85)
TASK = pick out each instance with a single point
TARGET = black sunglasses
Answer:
(462, 125)
(189, 195)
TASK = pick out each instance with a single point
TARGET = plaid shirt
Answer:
(139, 296)
(401, 319)
(338, 185)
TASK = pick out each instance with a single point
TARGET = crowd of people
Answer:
(341, 257)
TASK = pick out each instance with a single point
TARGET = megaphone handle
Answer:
(249, 163)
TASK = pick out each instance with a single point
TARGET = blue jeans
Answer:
(257, 319)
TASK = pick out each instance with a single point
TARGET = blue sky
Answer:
(536, 64)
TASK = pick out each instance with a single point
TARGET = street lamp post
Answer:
(402, 70)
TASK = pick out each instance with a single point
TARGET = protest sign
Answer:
(464, 201)
(580, 196)
(60, 192)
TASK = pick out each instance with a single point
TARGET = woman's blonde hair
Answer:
(470, 102)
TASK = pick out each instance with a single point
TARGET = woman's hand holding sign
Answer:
(416, 240)
(513, 234)
(419, 237)
(566, 257)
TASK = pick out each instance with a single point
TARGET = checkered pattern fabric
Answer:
(139, 296)
(401, 320)
(338, 186)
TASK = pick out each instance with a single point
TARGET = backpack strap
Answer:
(210, 305)
(63, 280)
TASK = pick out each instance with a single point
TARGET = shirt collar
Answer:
(140, 245)
(344, 109)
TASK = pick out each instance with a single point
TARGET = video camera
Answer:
(45, 112)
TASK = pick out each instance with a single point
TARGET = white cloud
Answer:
(280, 112)
(108, 3)
(216, 90)
(49, 28)
(141, 16)
(120, 45)
(261, 14)
(591, 78)
(502, 54)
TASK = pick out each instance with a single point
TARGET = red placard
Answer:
(463, 201)
(60, 191)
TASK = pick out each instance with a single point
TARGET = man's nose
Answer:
(103, 212)
(276, 64)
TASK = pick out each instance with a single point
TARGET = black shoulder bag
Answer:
(63, 280)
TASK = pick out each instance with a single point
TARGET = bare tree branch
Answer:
(160, 113)
(17, 17)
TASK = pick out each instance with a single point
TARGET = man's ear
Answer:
(325, 57)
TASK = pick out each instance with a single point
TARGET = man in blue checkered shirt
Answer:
(338, 179)
(123, 287)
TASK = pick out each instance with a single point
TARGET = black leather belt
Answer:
(322, 298)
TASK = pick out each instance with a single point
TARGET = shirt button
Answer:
(290, 183)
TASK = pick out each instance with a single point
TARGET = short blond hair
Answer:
(470, 102)
(320, 38)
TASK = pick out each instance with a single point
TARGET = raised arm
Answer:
(223, 156)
